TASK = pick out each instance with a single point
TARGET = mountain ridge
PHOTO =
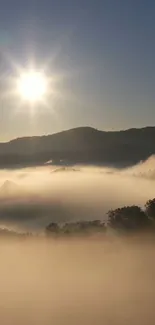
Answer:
(81, 128)
(81, 145)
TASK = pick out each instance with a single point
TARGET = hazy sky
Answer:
(105, 51)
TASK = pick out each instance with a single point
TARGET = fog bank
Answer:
(77, 282)
(31, 198)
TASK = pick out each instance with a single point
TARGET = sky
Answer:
(102, 53)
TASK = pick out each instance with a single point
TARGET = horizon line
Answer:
(76, 128)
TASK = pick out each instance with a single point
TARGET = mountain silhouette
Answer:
(8, 188)
(81, 145)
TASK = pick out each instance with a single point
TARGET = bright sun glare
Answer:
(32, 86)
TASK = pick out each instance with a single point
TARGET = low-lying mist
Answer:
(87, 282)
(31, 198)
(108, 280)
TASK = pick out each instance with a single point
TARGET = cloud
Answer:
(33, 197)
(77, 282)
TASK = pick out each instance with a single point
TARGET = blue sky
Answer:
(104, 49)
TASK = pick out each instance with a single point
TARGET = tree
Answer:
(128, 218)
(76, 228)
(52, 228)
(150, 209)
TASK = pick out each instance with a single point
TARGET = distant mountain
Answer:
(80, 145)
(64, 169)
(8, 188)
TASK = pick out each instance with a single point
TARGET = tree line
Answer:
(126, 219)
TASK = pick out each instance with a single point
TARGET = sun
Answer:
(32, 86)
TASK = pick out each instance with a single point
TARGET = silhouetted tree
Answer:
(128, 218)
(150, 209)
(52, 228)
(76, 228)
